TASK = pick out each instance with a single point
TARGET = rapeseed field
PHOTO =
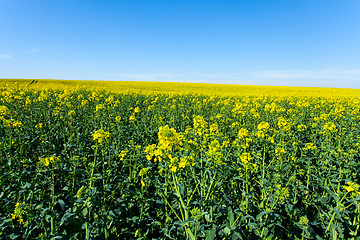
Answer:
(139, 160)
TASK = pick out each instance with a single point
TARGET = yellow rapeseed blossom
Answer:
(71, 113)
(214, 128)
(49, 160)
(304, 221)
(245, 157)
(168, 138)
(279, 152)
(17, 124)
(263, 126)
(283, 124)
(352, 188)
(200, 125)
(99, 108)
(100, 135)
(143, 171)
(183, 162)
(173, 168)
(330, 127)
(122, 155)
(19, 213)
(243, 133)
(4, 110)
(282, 192)
(118, 119)
(301, 127)
(309, 146)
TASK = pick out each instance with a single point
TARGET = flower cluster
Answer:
(100, 136)
(49, 160)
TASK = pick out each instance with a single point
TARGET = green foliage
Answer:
(97, 165)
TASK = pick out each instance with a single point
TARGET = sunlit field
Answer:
(224, 90)
(145, 160)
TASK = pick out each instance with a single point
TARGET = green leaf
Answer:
(210, 234)
(62, 204)
(227, 230)
(230, 217)
(258, 217)
(85, 212)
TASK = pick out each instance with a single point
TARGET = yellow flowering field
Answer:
(139, 160)
(178, 88)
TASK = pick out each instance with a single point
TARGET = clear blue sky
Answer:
(262, 42)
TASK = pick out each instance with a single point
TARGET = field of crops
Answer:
(83, 163)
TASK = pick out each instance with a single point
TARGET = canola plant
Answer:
(88, 163)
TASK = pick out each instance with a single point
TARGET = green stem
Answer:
(176, 185)
(53, 199)
(87, 233)
(211, 184)
(333, 215)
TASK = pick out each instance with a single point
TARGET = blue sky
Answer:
(257, 42)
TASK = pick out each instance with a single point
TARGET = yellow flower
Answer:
(282, 192)
(84, 102)
(301, 127)
(17, 124)
(122, 154)
(4, 110)
(142, 183)
(260, 134)
(263, 126)
(132, 118)
(279, 151)
(309, 146)
(71, 113)
(352, 187)
(118, 119)
(245, 157)
(47, 160)
(349, 188)
(304, 221)
(19, 212)
(282, 123)
(143, 171)
(100, 107)
(183, 162)
(330, 126)
(168, 138)
(137, 110)
(173, 168)
(214, 128)
(100, 135)
(243, 133)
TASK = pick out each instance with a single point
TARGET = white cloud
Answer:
(32, 50)
(6, 56)
(320, 78)
(353, 74)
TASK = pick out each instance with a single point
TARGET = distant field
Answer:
(185, 88)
